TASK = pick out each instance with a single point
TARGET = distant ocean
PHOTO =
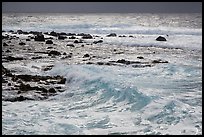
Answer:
(165, 99)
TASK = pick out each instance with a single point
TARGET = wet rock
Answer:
(159, 61)
(140, 57)
(39, 37)
(72, 37)
(20, 98)
(51, 90)
(86, 56)
(5, 45)
(25, 87)
(78, 41)
(49, 42)
(70, 45)
(53, 34)
(71, 34)
(68, 56)
(11, 31)
(62, 33)
(38, 57)
(22, 43)
(87, 36)
(10, 58)
(100, 41)
(122, 36)
(160, 38)
(19, 31)
(46, 68)
(5, 37)
(100, 63)
(8, 51)
(123, 61)
(112, 35)
(62, 81)
(35, 33)
(61, 37)
(49, 47)
(89, 63)
(54, 52)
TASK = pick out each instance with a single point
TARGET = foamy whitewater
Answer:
(99, 99)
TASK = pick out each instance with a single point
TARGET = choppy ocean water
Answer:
(164, 99)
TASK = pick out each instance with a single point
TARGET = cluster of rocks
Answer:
(135, 64)
(45, 86)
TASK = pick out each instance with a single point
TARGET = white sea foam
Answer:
(163, 99)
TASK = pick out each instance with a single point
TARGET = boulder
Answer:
(140, 57)
(49, 42)
(100, 41)
(61, 37)
(160, 38)
(39, 37)
(86, 56)
(53, 34)
(72, 37)
(112, 35)
(87, 36)
(54, 52)
(22, 43)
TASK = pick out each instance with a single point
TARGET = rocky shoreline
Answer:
(22, 48)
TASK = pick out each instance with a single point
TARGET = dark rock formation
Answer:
(112, 35)
(61, 37)
(86, 56)
(100, 41)
(54, 52)
(38, 57)
(160, 38)
(49, 42)
(5, 45)
(87, 36)
(20, 98)
(39, 37)
(159, 61)
(53, 34)
(22, 43)
(70, 45)
(72, 37)
(140, 57)
(10, 58)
